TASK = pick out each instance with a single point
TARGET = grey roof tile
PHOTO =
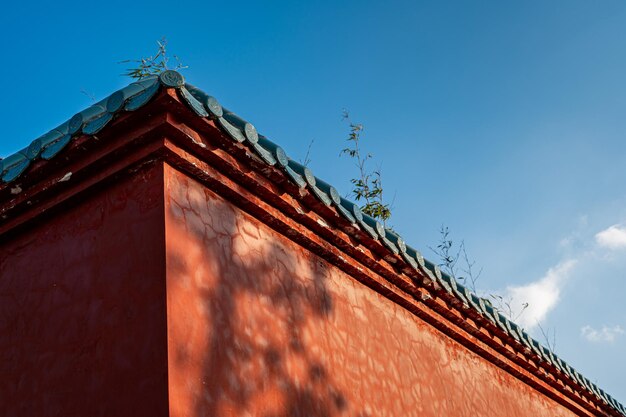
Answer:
(192, 102)
(415, 254)
(95, 125)
(149, 89)
(359, 217)
(55, 147)
(443, 281)
(232, 131)
(335, 199)
(311, 181)
(487, 310)
(13, 166)
(210, 103)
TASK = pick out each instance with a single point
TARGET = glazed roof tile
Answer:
(132, 97)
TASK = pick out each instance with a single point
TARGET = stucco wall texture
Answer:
(259, 326)
(82, 307)
(153, 296)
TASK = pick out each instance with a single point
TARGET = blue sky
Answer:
(504, 121)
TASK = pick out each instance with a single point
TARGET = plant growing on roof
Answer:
(152, 65)
(455, 262)
(307, 157)
(449, 258)
(368, 186)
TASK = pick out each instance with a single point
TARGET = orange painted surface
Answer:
(258, 326)
(82, 307)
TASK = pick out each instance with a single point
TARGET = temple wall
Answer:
(82, 307)
(259, 326)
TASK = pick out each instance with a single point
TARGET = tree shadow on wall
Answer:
(247, 307)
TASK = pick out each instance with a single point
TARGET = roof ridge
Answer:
(93, 119)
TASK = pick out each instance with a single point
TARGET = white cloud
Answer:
(613, 238)
(541, 296)
(606, 334)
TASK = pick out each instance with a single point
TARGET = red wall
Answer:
(154, 293)
(258, 326)
(82, 301)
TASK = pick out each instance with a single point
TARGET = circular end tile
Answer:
(281, 156)
(251, 134)
(172, 79)
(214, 107)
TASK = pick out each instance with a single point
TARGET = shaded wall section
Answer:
(82, 307)
(259, 326)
